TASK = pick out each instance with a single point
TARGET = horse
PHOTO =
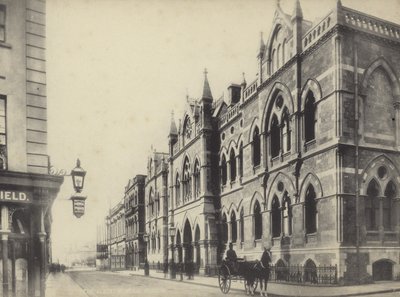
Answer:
(262, 274)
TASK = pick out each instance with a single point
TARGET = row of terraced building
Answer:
(303, 159)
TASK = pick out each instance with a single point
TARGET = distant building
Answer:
(27, 190)
(117, 235)
(135, 222)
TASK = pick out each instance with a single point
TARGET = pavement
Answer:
(62, 284)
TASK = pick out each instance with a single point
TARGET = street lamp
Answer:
(172, 270)
(78, 176)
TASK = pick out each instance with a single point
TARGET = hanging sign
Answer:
(78, 205)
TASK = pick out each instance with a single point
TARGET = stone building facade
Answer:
(135, 221)
(117, 236)
(27, 190)
(157, 209)
(303, 159)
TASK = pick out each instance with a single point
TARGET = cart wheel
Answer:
(224, 279)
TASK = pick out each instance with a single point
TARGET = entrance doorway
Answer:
(382, 270)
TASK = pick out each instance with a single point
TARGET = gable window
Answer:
(196, 176)
(3, 136)
(223, 170)
(311, 210)
(257, 221)
(186, 181)
(232, 164)
(276, 217)
(275, 137)
(177, 190)
(309, 117)
(256, 147)
(233, 227)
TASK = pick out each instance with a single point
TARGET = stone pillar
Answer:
(203, 257)
(13, 280)
(4, 245)
(238, 167)
(42, 240)
(229, 231)
(380, 226)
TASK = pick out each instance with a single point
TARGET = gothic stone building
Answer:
(306, 154)
(135, 221)
(117, 236)
(156, 198)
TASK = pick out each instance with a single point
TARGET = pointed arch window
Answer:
(286, 133)
(151, 202)
(242, 225)
(309, 117)
(311, 210)
(275, 137)
(273, 61)
(232, 163)
(387, 207)
(287, 216)
(276, 217)
(256, 147)
(278, 57)
(233, 227)
(240, 160)
(283, 51)
(196, 176)
(372, 206)
(223, 170)
(177, 190)
(224, 229)
(257, 221)
(187, 130)
(186, 181)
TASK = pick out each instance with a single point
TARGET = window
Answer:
(273, 62)
(387, 207)
(3, 138)
(242, 225)
(241, 160)
(187, 130)
(372, 206)
(311, 210)
(283, 51)
(257, 221)
(278, 57)
(2, 23)
(275, 137)
(286, 140)
(196, 176)
(256, 147)
(232, 163)
(177, 190)
(287, 216)
(276, 217)
(223, 170)
(309, 118)
(224, 229)
(233, 227)
(186, 181)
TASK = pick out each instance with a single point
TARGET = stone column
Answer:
(238, 167)
(13, 280)
(42, 240)
(380, 226)
(229, 231)
(203, 257)
(4, 244)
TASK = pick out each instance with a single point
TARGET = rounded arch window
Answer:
(232, 130)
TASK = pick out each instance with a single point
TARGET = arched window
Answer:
(233, 227)
(177, 190)
(187, 130)
(257, 221)
(283, 51)
(196, 176)
(273, 61)
(242, 225)
(372, 206)
(278, 57)
(223, 170)
(256, 147)
(151, 202)
(286, 140)
(224, 229)
(275, 137)
(241, 160)
(387, 207)
(232, 163)
(287, 216)
(276, 217)
(311, 210)
(186, 181)
(309, 117)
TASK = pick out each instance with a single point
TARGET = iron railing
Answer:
(323, 274)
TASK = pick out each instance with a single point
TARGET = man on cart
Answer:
(231, 259)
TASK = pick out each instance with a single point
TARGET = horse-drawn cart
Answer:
(239, 271)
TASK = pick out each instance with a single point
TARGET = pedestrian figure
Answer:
(146, 267)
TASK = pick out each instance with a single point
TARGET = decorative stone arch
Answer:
(277, 88)
(198, 159)
(312, 179)
(370, 173)
(313, 86)
(223, 152)
(254, 124)
(239, 141)
(190, 161)
(381, 62)
(187, 217)
(232, 145)
(273, 189)
(232, 208)
(256, 197)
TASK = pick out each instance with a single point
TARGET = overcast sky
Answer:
(117, 68)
